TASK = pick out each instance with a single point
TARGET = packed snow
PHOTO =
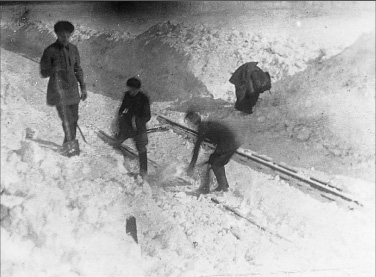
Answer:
(67, 216)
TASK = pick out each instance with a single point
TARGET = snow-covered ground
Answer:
(66, 216)
(318, 116)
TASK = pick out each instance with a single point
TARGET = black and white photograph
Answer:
(187, 138)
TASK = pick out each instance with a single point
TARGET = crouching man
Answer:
(133, 115)
(61, 63)
(226, 145)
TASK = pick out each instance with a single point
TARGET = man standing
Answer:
(226, 144)
(133, 115)
(61, 63)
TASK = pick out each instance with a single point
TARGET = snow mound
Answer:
(215, 54)
(67, 216)
(340, 90)
(173, 61)
(57, 216)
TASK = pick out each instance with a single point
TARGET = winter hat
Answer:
(134, 83)
(63, 26)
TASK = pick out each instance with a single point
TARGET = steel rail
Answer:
(313, 183)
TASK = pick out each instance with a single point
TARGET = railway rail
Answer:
(130, 152)
(312, 185)
(318, 188)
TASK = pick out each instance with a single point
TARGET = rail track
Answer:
(318, 188)
(314, 186)
(127, 151)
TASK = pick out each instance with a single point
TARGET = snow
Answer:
(67, 216)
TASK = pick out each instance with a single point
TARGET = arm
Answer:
(139, 121)
(145, 114)
(122, 107)
(196, 150)
(78, 70)
(46, 67)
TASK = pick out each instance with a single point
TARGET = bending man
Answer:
(226, 145)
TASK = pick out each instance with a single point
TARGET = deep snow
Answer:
(193, 55)
(66, 217)
(71, 212)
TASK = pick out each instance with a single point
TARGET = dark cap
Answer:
(63, 26)
(134, 83)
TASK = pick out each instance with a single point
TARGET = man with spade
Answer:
(226, 143)
(61, 63)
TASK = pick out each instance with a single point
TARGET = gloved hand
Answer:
(83, 93)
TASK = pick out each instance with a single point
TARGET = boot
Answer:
(220, 174)
(71, 148)
(143, 160)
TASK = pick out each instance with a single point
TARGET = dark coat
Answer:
(241, 78)
(217, 133)
(137, 106)
(62, 65)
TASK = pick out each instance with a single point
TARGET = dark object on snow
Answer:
(131, 228)
(226, 144)
(249, 81)
(133, 115)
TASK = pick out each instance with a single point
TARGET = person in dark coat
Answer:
(246, 95)
(133, 115)
(226, 143)
(61, 64)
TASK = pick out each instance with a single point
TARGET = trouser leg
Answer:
(141, 140)
(220, 174)
(63, 114)
(143, 161)
(73, 120)
(69, 117)
(218, 160)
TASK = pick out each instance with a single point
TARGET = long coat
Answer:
(62, 65)
(241, 78)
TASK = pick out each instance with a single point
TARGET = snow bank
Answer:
(109, 58)
(59, 216)
(173, 60)
(70, 213)
(339, 93)
(329, 108)
(215, 55)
